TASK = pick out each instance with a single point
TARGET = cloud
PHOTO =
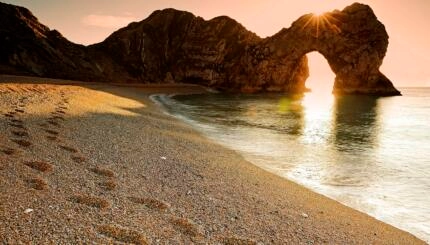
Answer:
(107, 21)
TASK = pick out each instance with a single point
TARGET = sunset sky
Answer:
(407, 21)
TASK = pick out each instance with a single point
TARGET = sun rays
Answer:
(320, 22)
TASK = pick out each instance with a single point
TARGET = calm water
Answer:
(372, 154)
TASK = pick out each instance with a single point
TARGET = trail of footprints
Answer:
(108, 183)
(52, 128)
(21, 137)
(19, 132)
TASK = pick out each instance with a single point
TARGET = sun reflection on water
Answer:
(355, 149)
(317, 110)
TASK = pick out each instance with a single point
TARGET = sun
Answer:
(321, 7)
(320, 22)
(319, 13)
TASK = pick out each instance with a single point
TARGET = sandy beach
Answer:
(98, 163)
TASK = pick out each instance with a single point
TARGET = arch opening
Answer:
(321, 76)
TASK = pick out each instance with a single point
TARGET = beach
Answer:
(101, 163)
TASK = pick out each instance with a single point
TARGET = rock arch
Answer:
(177, 46)
(353, 41)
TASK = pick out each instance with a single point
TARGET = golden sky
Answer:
(407, 21)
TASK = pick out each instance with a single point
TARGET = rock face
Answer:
(353, 41)
(176, 46)
(28, 47)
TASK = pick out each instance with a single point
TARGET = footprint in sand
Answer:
(17, 125)
(150, 203)
(60, 112)
(37, 183)
(36, 90)
(68, 148)
(12, 89)
(53, 123)
(7, 150)
(103, 171)
(108, 185)
(9, 115)
(40, 166)
(52, 132)
(57, 118)
(187, 227)
(123, 235)
(92, 201)
(52, 137)
(13, 113)
(23, 143)
(78, 159)
(17, 121)
(238, 241)
(20, 133)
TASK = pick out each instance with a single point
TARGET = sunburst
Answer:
(321, 22)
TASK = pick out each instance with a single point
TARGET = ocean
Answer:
(369, 153)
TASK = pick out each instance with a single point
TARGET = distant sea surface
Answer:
(372, 154)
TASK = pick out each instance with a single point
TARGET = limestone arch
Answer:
(353, 42)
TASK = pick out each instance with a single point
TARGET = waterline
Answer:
(368, 153)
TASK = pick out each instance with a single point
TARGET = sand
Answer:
(96, 163)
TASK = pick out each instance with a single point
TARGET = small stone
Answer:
(28, 210)
(164, 158)
(304, 215)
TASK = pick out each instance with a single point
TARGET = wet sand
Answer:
(96, 163)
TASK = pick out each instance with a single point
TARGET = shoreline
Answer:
(165, 181)
(239, 138)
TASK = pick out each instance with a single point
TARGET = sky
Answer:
(407, 62)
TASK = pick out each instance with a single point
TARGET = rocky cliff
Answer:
(176, 46)
(28, 47)
(353, 41)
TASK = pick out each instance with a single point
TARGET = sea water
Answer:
(369, 153)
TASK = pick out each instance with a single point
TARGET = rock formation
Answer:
(30, 48)
(176, 46)
(353, 41)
